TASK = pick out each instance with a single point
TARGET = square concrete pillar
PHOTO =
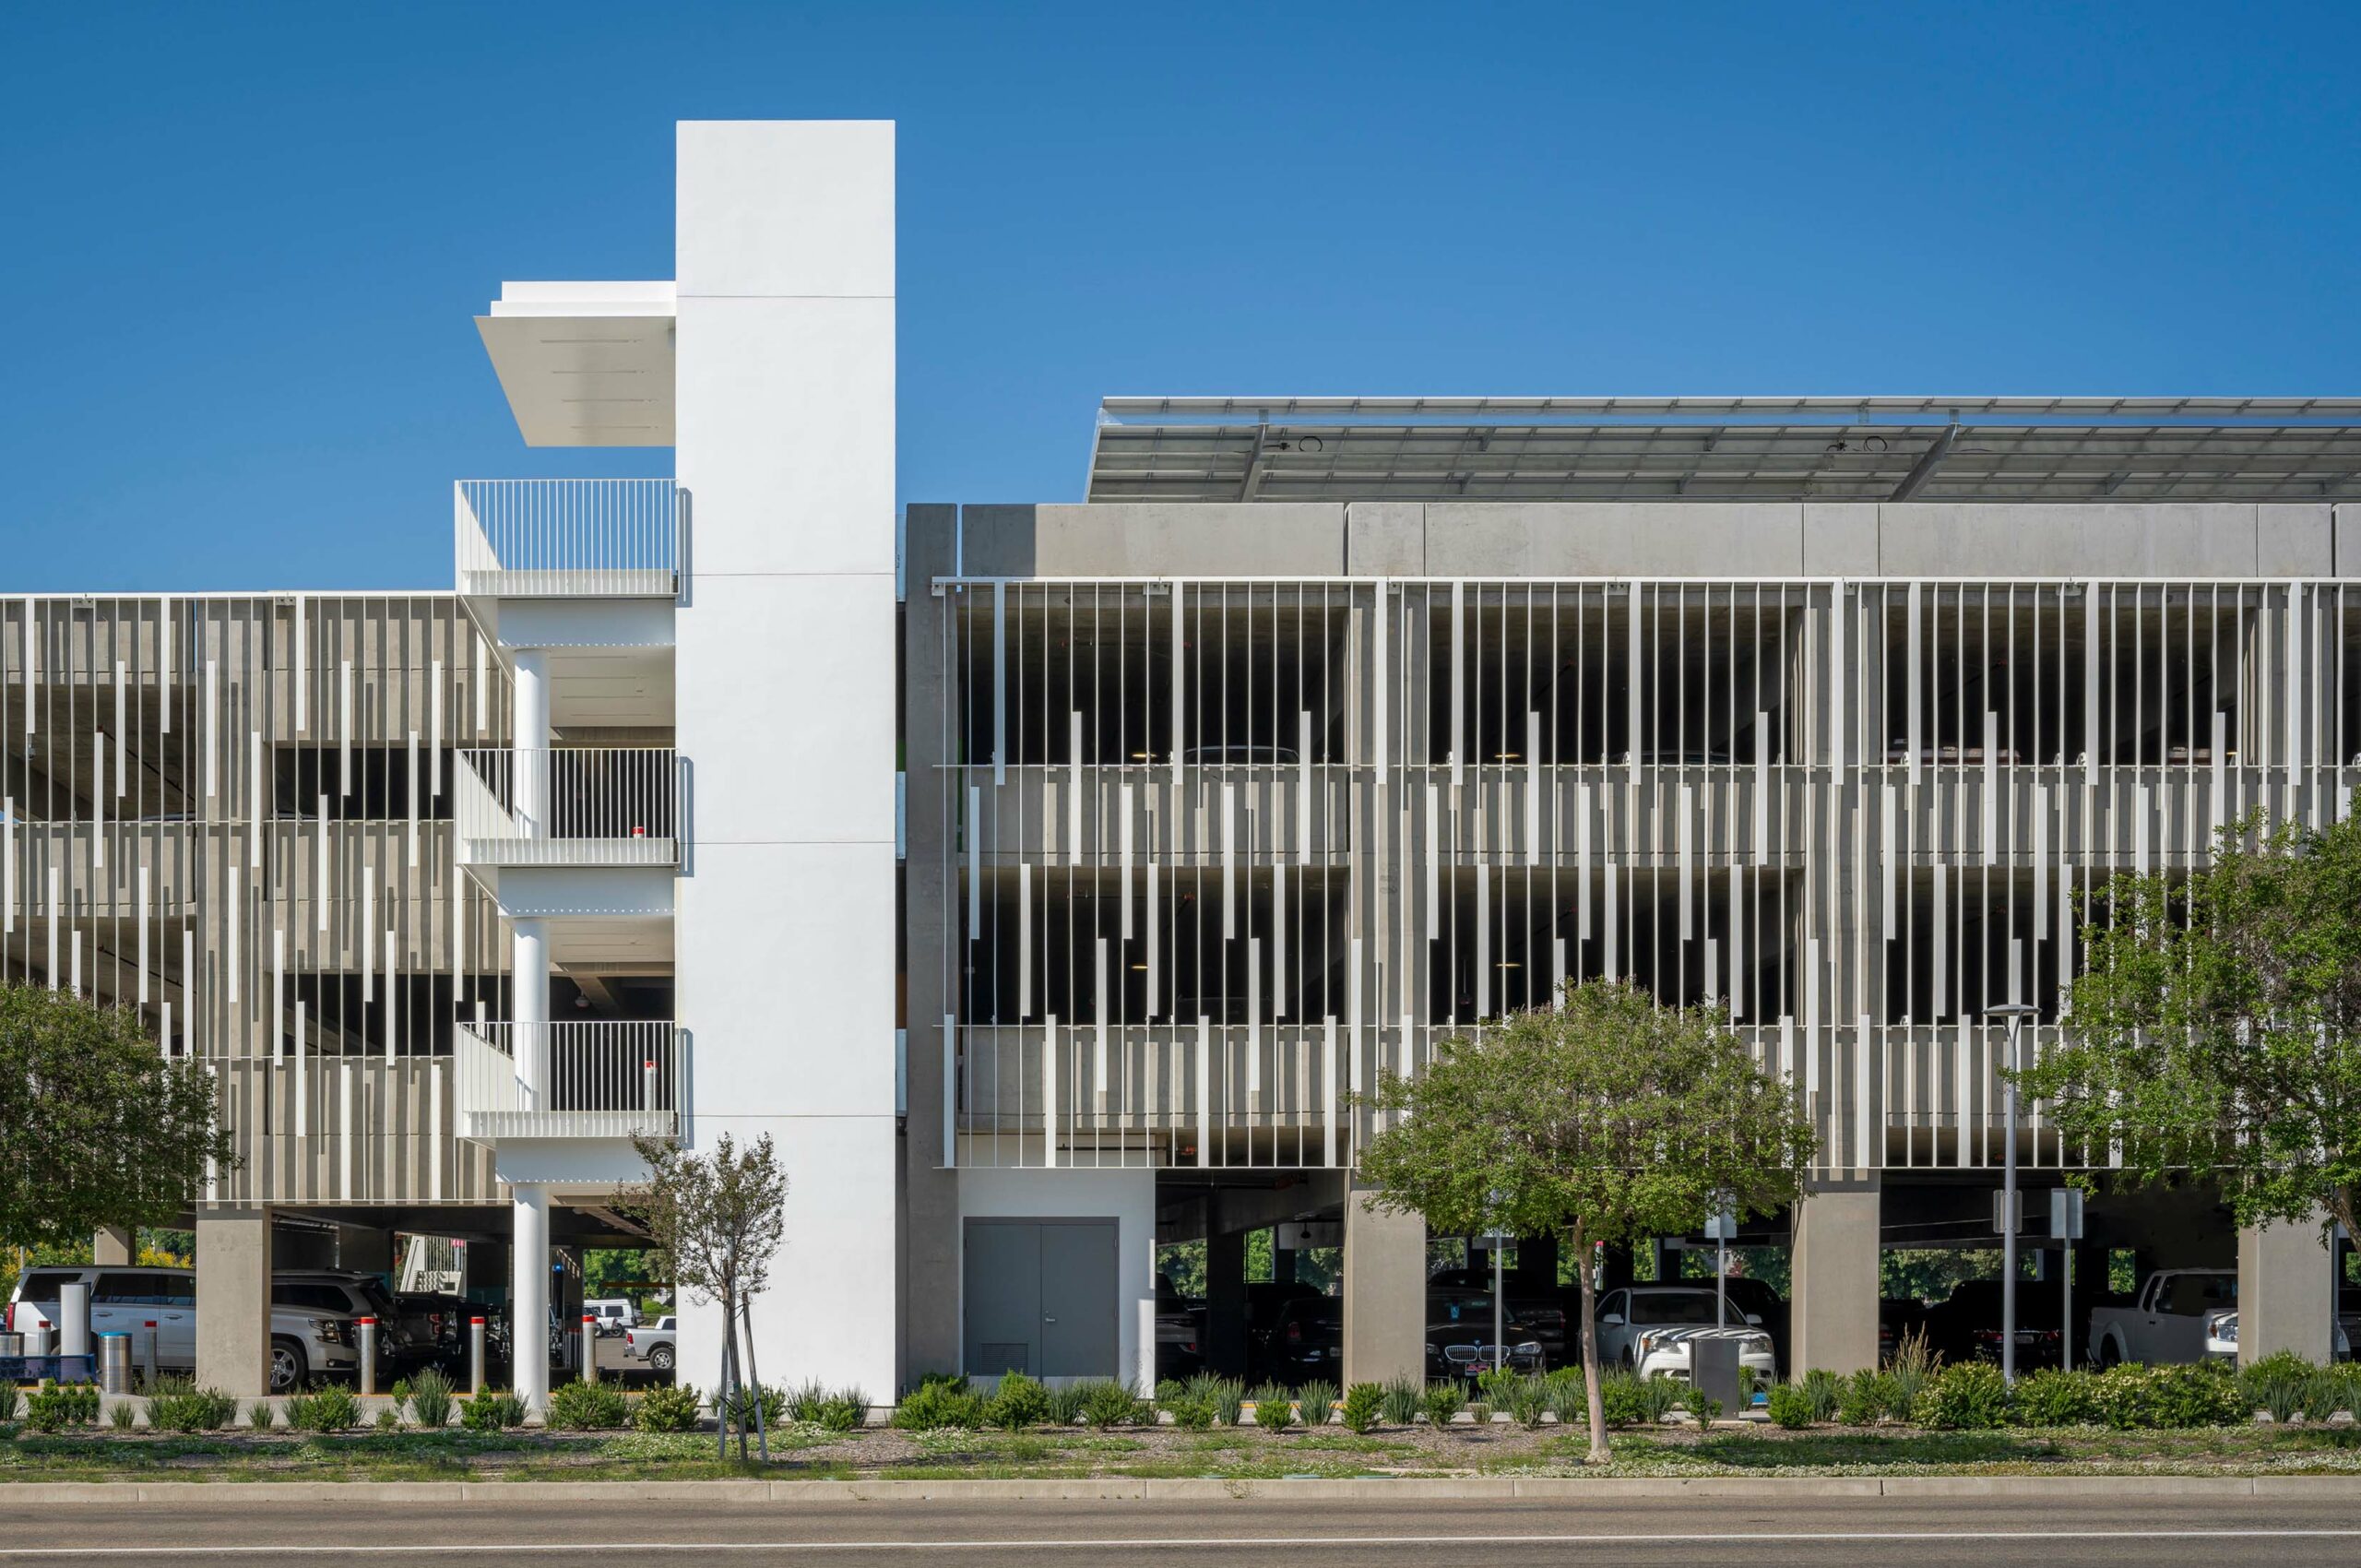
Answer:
(233, 1268)
(2286, 1296)
(114, 1244)
(1385, 1292)
(1834, 1313)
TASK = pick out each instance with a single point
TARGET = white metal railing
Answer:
(520, 537)
(568, 806)
(597, 1080)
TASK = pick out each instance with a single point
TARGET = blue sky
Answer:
(243, 242)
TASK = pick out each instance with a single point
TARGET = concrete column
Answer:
(530, 728)
(233, 1268)
(529, 1002)
(2285, 1291)
(528, 1295)
(1385, 1292)
(1836, 1308)
(1226, 1302)
(114, 1244)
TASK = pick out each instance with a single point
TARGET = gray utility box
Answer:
(1713, 1371)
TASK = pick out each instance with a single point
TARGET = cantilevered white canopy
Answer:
(1890, 448)
(585, 364)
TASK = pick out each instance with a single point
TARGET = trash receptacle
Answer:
(1713, 1369)
(114, 1363)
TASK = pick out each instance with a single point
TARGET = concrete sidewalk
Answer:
(1118, 1489)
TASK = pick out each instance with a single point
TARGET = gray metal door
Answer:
(1002, 1275)
(1078, 1299)
(1041, 1297)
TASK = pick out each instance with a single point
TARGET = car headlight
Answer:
(2227, 1331)
(331, 1331)
(1530, 1347)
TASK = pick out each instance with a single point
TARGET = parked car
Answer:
(305, 1341)
(1459, 1338)
(355, 1296)
(657, 1344)
(2222, 1332)
(437, 1323)
(1965, 1326)
(1538, 1303)
(2166, 1322)
(1179, 1331)
(1307, 1342)
(1626, 1313)
(1666, 1353)
(612, 1315)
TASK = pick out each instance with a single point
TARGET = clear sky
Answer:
(240, 246)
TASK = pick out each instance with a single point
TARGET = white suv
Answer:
(304, 1341)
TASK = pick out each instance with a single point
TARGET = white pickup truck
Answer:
(2167, 1322)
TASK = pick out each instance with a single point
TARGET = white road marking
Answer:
(1339, 1543)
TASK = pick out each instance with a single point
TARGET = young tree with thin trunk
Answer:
(2214, 1033)
(716, 1221)
(1607, 1119)
(98, 1127)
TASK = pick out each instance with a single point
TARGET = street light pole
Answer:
(2015, 1012)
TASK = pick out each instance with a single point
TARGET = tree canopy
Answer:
(1608, 1117)
(2215, 1029)
(96, 1127)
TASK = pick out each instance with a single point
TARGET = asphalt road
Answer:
(232, 1524)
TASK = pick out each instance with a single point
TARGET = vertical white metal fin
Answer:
(1582, 862)
(1050, 1116)
(1205, 1090)
(231, 928)
(1992, 824)
(1483, 937)
(2221, 768)
(122, 727)
(1228, 861)
(2093, 748)
(1353, 982)
(212, 731)
(975, 835)
(277, 995)
(1278, 938)
(368, 932)
(1434, 862)
(302, 670)
(1253, 1015)
(1000, 684)
(1534, 779)
(950, 1090)
(1889, 859)
(320, 849)
(434, 730)
(1458, 680)
(1074, 788)
(1104, 1007)
(413, 794)
(1612, 967)
(1302, 788)
(1123, 808)
(258, 784)
(1914, 734)
(1685, 855)
(1155, 947)
(344, 725)
(1025, 941)
(140, 920)
(2040, 861)
(1762, 787)
(1737, 942)
(1328, 1091)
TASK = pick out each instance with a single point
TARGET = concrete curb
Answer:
(1118, 1489)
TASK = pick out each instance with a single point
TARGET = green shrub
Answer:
(1790, 1407)
(1480, 1412)
(1529, 1401)
(1658, 1395)
(1495, 1385)
(1912, 1366)
(1823, 1387)
(492, 1410)
(1192, 1412)
(1065, 1402)
(2275, 1382)
(178, 1404)
(2324, 1395)
(844, 1410)
(1971, 1396)
(430, 1399)
(936, 1407)
(1364, 1404)
(667, 1409)
(1107, 1405)
(121, 1415)
(333, 1408)
(51, 1407)
(389, 1418)
(2134, 1397)
(1018, 1403)
(2054, 1398)
(1860, 1399)
(1316, 1401)
(1444, 1400)
(1703, 1408)
(588, 1407)
(1620, 1399)
(768, 1408)
(1274, 1407)
(1228, 1396)
(262, 1415)
(1406, 1395)
(7, 1400)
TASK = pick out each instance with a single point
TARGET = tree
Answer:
(2215, 1028)
(97, 1126)
(715, 1222)
(1609, 1119)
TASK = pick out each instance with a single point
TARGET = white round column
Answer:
(529, 694)
(528, 1296)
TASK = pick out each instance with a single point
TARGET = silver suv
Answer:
(306, 1340)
